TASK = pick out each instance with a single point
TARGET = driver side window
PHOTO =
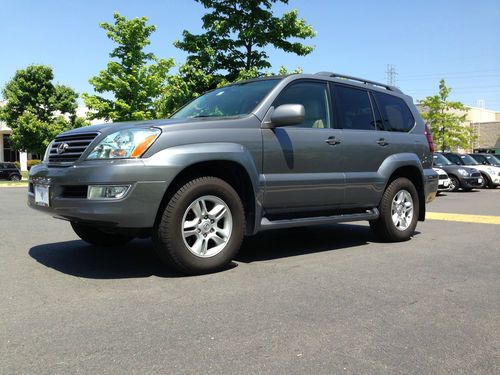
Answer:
(314, 97)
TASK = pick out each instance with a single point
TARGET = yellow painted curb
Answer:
(479, 219)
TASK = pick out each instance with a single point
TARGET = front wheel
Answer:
(454, 183)
(97, 236)
(15, 177)
(399, 209)
(202, 227)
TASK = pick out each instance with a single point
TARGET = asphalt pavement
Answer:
(321, 300)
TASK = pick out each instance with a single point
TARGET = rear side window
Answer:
(314, 97)
(353, 108)
(397, 115)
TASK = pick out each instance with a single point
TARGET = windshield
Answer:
(493, 159)
(441, 160)
(235, 100)
(468, 160)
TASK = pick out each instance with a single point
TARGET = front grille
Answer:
(476, 174)
(443, 177)
(77, 144)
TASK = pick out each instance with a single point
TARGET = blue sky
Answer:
(425, 40)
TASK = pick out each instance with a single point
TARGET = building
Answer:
(486, 126)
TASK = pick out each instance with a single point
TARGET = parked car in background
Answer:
(486, 159)
(461, 177)
(490, 174)
(444, 180)
(9, 171)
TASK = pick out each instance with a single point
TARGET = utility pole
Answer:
(391, 74)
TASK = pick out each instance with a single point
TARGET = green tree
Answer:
(237, 33)
(36, 109)
(446, 119)
(135, 78)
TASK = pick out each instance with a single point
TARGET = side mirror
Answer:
(287, 115)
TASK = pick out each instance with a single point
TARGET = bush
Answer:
(33, 162)
(18, 165)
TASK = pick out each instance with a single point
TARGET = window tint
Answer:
(454, 159)
(314, 97)
(354, 109)
(397, 115)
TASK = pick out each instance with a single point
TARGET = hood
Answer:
(115, 126)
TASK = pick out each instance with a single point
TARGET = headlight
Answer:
(463, 172)
(128, 143)
(47, 152)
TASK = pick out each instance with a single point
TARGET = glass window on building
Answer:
(9, 154)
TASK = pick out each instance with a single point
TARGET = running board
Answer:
(266, 224)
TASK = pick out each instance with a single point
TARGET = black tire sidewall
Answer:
(456, 182)
(169, 241)
(95, 236)
(395, 187)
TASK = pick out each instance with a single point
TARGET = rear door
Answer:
(365, 145)
(302, 164)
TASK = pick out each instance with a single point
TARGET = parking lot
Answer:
(327, 299)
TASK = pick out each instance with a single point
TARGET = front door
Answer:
(302, 164)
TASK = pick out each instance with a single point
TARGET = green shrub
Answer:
(18, 165)
(33, 162)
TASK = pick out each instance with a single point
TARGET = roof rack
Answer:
(362, 80)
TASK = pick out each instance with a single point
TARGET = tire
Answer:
(15, 177)
(202, 227)
(486, 182)
(396, 230)
(96, 236)
(454, 183)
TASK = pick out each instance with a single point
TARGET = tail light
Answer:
(430, 140)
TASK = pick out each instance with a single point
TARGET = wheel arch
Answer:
(409, 166)
(229, 162)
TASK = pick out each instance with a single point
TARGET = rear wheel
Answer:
(398, 212)
(15, 177)
(202, 227)
(454, 183)
(97, 236)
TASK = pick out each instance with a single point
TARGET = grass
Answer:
(6, 183)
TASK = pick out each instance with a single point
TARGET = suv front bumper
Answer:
(67, 192)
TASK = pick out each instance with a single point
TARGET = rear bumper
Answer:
(431, 180)
(137, 209)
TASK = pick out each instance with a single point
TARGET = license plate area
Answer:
(42, 195)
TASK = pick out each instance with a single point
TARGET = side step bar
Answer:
(266, 224)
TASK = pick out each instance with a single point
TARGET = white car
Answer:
(444, 180)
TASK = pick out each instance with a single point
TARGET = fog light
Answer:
(107, 191)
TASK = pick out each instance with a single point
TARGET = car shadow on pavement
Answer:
(138, 259)
(303, 240)
(77, 258)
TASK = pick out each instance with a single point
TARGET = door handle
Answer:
(332, 141)
(382, 142)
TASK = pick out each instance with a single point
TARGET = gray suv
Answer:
(275, 152)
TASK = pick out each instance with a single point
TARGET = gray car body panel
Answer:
(291, 169)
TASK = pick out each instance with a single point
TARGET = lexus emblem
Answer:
(61, 148)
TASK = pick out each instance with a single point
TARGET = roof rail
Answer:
(362, 80)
